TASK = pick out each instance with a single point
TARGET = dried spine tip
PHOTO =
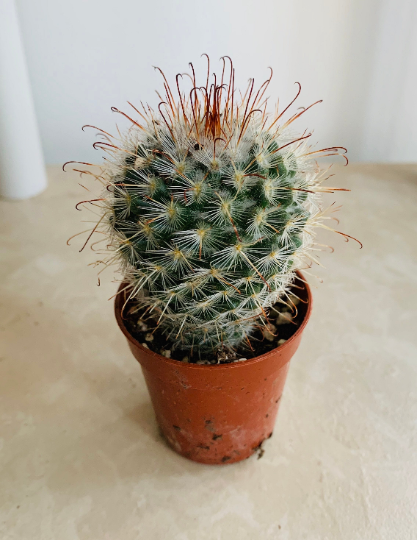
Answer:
(211, 205)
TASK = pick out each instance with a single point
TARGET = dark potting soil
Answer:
(284, 320)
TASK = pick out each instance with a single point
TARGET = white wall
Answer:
(390, 125)
(85, 56)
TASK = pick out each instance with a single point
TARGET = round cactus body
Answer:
(211, 206)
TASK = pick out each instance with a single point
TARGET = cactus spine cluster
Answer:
(211, 204)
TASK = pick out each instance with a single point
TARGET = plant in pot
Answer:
(210, 209)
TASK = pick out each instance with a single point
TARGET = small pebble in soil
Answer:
(274, 311)
(284, 318)
(166, 353)
(294, 300)
(144, 345)
(149, 337)
(186, 359)
(281, 341)
(240, 360)
(269, 332)
(142, 326)
(225, 356)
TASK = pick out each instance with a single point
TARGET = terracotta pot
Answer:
(217, 413)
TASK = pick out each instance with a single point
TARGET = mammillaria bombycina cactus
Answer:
(211, 204)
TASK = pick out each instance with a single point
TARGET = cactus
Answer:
(211, 204)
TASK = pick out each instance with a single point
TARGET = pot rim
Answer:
(231, 365)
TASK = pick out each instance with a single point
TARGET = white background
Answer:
(360, 56)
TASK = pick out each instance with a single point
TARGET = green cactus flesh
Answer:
(211, 207)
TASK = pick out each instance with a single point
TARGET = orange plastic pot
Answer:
(219, 413)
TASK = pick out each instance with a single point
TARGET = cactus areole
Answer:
(211, 203)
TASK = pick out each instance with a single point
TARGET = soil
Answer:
(284, 320)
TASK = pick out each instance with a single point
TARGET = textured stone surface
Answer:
(80, 453)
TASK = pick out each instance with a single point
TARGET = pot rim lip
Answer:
(232, 365)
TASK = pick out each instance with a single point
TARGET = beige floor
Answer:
(80, 452)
